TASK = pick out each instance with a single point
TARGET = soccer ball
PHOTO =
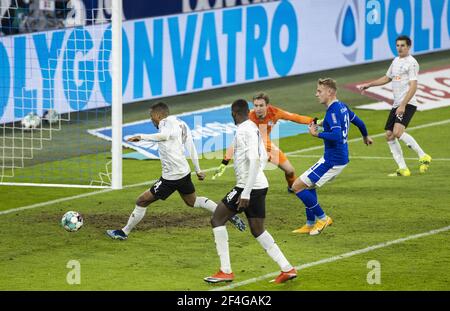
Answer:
(51, 116)
(31, 121)
(72, 221)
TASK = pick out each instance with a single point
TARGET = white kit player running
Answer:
(173, 137)
(248, 196)
(403, 73)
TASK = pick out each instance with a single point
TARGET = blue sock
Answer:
(309, 198)
(317, 210)
(310, 217)
(313, 192)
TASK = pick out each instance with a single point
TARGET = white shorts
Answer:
(320, 173)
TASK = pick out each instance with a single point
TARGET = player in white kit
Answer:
(403, 73)
(248, 196)
(173, 138)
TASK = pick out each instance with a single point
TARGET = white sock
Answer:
(134, 219)
(205, 203)
(221, 239)
(412, 143)
(268, 243)
(397, 153)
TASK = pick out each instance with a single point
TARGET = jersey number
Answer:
(346, 126)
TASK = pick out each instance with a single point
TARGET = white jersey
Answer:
(173, 137)
(248, 147)
(401, 71)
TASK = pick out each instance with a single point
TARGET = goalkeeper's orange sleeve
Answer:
(281, 114)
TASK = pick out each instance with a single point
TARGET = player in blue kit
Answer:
(335, 135)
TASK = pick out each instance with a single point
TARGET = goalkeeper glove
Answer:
(221, 169)
(318, 121)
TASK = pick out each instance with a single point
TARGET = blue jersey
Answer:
(335, 132)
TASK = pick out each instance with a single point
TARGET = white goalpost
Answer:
(60, 76)
(116, 150)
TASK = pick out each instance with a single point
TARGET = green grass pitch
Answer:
(173, 247)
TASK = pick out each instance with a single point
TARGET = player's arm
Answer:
(190, 147)
(163, 134)
(380, 81)
(149, 137)
(285, 115)
(354, 119)
(155, 137)
(223, 165)
(333, 135)
(252, 154)
(411, 91)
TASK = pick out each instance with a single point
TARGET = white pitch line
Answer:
(79, 196)
(210, 169)
(336, 258)
(362, 157)
(373, 136)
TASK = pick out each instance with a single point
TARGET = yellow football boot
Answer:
(401, 172)
(321, 225)
(304, 229)
(424, 163)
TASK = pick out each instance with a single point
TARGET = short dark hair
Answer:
(262, 95)
(328, 82)
(404, 38)
(160, 108)
(240, 107)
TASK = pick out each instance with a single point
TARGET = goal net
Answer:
(59, 64)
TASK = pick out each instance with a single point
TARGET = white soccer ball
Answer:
(31, 121)
(51, 116)
(72, 221)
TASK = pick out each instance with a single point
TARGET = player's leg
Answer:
(397, 154)
(400, 133)
(300, 187)
(304, 187)
(203, 202)
(220, 216)
(144, 200)
(160, 190)
(288, 169)
(256, 213)
(278, 158)
(394, 146)
(186, 190)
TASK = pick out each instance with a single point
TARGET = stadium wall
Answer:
(186, 53)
